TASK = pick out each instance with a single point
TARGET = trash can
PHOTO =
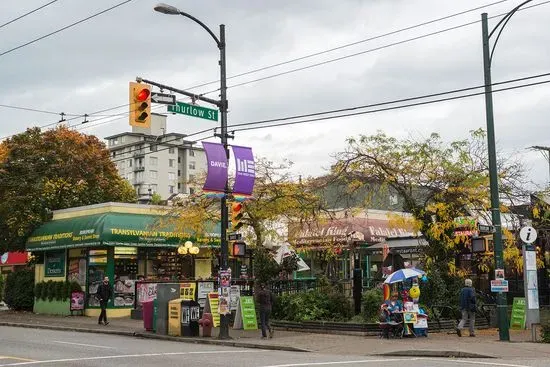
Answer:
(147, 312)
(174, 317)
(190, 315)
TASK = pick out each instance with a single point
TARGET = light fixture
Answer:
(166, 9)
(188, 244)
(182, 250)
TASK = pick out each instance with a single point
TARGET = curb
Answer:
(433, 354)
(227, 343)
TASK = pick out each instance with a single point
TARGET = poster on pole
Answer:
(204, 288)
(245, 172)
(216, 176)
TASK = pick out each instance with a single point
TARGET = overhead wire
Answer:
(64, 28)
(27, 13)
(331, 60)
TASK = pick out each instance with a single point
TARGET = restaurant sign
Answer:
(348, 229)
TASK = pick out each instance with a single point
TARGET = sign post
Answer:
(530, 284)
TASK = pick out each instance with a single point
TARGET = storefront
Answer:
(125, 242)
(9, 261)
(348, 240)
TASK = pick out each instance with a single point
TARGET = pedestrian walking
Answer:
(467, 307)
(265, 300)
(104, 293)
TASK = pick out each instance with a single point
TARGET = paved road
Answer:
(32, 347)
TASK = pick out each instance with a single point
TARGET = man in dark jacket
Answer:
(467, 307)
(265, 300)
(104, 293)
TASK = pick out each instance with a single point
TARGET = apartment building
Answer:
(155, 161)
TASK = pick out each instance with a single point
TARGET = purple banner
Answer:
(216, 158)
(245, 170)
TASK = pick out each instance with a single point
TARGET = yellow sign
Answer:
(212, 307)
(187, 291)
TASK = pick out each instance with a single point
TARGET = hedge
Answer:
(19, 292)
(58, 291)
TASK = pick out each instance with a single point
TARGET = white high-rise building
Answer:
(154, 161)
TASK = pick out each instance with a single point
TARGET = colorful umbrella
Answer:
(401, 275)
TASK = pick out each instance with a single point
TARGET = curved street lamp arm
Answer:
(204, 26)
(503, 21)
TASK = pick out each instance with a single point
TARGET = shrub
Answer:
(1, 288)
(19, 293)
(313, 305)
(370, 302)
(545, 333)
(59, 291)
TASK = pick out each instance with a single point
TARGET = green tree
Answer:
(41, 171)
(438, 182)
(156, 199)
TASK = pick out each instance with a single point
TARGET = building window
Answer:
(171, 189)
(171, 150)
(154, 174)
(191, 153)
(139, 176)
(179, 185)
(153, 188)
(114, 141)
(171, 162)
(129, 163)
(153, 161)
(153, 147)
(171, 176)
(179, 159)
(114, 154)
(191, 191)
(191, 178)
(191, 165)
(179, 173)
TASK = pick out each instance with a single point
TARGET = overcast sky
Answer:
(87, 68)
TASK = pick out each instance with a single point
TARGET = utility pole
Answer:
(223, 106)
(502, 305)
(546, 153)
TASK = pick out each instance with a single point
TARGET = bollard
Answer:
(206, 323)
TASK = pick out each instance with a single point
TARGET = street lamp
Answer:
(220, 42)
(493, 174)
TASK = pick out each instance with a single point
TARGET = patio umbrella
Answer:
(401, 275)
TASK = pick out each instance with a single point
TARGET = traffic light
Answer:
(239, 248)
(236, 216)
(483, 245)
(140, 104)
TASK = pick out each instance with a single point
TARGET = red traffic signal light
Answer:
(236, 216)
(140, 104)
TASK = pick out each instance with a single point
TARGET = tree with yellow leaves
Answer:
(438, 182)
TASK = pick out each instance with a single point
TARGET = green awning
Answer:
(112, 229)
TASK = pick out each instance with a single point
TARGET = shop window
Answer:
(97, 269)
(77, 266)
(126, 269)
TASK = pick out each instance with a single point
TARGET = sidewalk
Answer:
(486, 343)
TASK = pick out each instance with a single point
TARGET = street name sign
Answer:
(163, 98)
(234, 236)
(194, 111)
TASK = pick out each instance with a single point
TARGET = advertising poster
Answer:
(77, 301)
(187, 291)
(234, 294)
(216, 176)
(212, 307)
(54, 263)
(533, 298)
(202, 294)
(146, 292)
(530, 260)
(245, 170)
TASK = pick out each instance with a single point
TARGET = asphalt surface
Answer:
(31, 347)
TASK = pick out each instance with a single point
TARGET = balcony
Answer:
(139, 154)
(139, 169)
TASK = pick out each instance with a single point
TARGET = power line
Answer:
(28, 13)
(391, 108)
(370, 50)
(64, 28)
(368, 106)
(353, 43)
(33, 110)
(328, 61)
(408, 99)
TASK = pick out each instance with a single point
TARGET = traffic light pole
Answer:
(224, 319)
(223, 106)
(502, 305)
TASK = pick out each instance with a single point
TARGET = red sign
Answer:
(13, 258)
